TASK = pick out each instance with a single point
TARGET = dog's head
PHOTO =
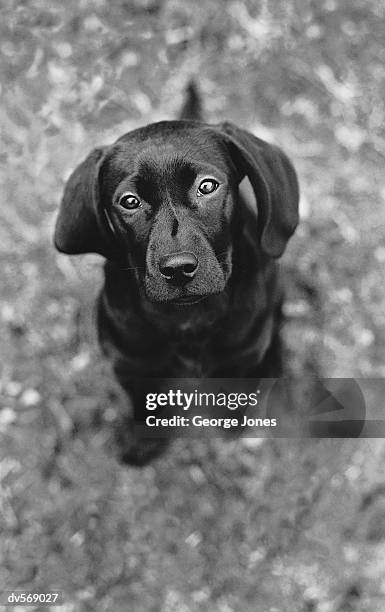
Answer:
(162, 201)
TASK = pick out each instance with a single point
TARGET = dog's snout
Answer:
(178, 268)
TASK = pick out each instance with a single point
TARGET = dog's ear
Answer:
(80, 225)
(274, 184)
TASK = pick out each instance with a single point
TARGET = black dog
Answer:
(191, 285)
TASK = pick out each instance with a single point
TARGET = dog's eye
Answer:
(129, 201)
(207, 186)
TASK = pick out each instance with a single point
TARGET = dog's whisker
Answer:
(221, 255)
(132, 268)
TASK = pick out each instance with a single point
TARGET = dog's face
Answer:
(163, 202)
(170, 199)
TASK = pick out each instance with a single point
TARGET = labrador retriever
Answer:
(191, 219)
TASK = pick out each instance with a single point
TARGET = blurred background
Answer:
(222, 526)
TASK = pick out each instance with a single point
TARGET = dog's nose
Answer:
(179, 268)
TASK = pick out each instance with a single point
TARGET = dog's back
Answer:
(192, 108)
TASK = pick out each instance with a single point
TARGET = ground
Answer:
(270, 525)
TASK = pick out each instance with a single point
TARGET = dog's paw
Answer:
(141, 452)
(135, 450)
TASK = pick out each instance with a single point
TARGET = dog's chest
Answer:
(189, 359)
(214, 336)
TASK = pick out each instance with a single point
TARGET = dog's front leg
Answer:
(135, 447)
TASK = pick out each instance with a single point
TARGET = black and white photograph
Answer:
(192, 306)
